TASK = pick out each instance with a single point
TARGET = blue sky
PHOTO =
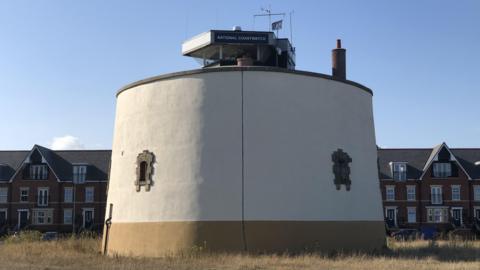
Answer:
(61, 62)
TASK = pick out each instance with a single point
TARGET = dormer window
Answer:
(442, 169)
(38, 172)
(79, 173)
(399, 171)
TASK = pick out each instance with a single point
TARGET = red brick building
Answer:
(437, 187)
(48, 190)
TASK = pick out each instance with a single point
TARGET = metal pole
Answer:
(291, 31)
(108, 223)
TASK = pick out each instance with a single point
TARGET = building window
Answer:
(390, 193)
(42, 198)
(42, 217)
(442, 170)
(79, 173)
(476, 193)
(411, 214)
(68, 194)
(437, 215)
(89, 197)
(436, 194)
(456, 193)
(144, 170)
(67, 216)
(4, 195)
(38, 172)
(411, 193)
(24, 194)
(399, 170)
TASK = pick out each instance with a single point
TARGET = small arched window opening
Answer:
(144, 170)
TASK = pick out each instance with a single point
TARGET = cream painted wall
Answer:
(193, 126)
(292, 124)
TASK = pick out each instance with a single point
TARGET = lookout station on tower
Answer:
(240, 48)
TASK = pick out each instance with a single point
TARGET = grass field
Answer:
(83, 253)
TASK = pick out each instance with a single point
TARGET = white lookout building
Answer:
(244, 154)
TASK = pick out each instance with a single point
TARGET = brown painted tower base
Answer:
(169, 238)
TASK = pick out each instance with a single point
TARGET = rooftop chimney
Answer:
(339, 66)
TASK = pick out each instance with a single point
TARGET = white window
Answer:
(38, 172)
(4, 195)
(390, 193)
(437, 215)
(67, 216)
(68, 194)
(399, 170)
(442, 170)
(79, 173)
(42, 197)
(411, 193)
(89, 197)
(412, 214)
(456, 193)
(24, 194)
(476, 192)
(436, 194)
(41, 217)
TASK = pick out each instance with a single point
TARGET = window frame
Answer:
(79, 173)
(47, 215)
(414, 214)
(65, 194)
(434, 197)
(476, 193)
(399, 175)
(454, 198)
(21, 196)
(440, 172)
(68, 222)
(42, 200)
(38, 172)
(87, 198)
(3, 197)
(414, 193)
(392, 189)
(432, 215)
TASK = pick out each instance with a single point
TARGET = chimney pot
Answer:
(339, 43)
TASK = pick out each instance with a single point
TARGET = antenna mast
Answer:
(267, 12)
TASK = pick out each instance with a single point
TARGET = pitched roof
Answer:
(415, 159)
(9, 163)
(418, 159)
(60, 161)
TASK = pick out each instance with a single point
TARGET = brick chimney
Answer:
(339, 66)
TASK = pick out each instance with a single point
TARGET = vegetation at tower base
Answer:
(84, 253)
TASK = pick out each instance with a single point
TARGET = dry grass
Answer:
(83, 253)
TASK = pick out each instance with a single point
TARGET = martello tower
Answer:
(244, 154)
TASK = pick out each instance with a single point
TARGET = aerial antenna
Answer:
(291, 29)
(267, 12)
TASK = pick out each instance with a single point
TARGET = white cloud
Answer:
(66, 142)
